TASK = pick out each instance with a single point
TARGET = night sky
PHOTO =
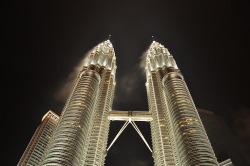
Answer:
(45, 40)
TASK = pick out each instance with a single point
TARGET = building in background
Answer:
(35, 149)
(223, 142)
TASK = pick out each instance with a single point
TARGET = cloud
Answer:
(128, 90)
(140, 162)
(62, 94)
(142, 63)
(128, 86)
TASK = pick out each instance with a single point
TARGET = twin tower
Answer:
(81, 133)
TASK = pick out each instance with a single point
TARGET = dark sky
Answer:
(45, 40)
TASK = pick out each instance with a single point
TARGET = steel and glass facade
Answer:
(81, 134)
(178, 135)
(103, 56)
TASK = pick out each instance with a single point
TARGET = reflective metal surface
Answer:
(178, 135)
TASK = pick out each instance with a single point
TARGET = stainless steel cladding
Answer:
(178, 135)
(80, 137)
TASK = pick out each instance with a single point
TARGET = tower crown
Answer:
(158, 57)
(102, 55)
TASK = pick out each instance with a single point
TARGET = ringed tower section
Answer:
(176, 120)
(71, 140)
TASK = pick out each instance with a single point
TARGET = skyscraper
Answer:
(222, 140)
(80, 136)
(35, 149)
(178, 135)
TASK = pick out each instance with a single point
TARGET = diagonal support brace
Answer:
(140, 134)
(118, 134)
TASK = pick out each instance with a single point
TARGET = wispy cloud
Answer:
(129, 84)
(142, 63)
(140, 162)
(62, 94)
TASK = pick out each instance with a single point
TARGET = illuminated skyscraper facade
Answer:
(35, 149)
(81, 134)
(178, 135)
(103, 56)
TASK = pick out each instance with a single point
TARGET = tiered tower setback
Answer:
(103, 56)
(164, 144)
(83, 126)
(79, 136)
(177, 131)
